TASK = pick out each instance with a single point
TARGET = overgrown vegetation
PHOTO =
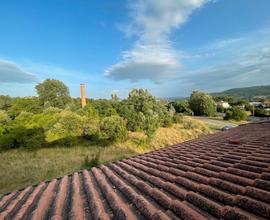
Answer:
(235, 113)
(22, 167)
(55, 119)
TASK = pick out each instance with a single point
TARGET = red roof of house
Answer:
(221, 176)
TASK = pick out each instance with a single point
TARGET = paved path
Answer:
(215, 122)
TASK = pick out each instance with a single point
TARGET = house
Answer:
(223, 104)
(225, 175)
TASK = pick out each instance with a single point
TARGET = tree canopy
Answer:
(202, 104)
(53, 93)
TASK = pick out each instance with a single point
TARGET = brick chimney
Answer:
(83, 98)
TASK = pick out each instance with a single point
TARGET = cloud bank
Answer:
(244, 62)
(10, 72)
(153, 57)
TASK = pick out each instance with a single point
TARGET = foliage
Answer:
(202, 104)
(29, 104)
(5, 102)
(113, 129)
(69, 124)
(4, 118)
(19, 136)
(94, 161)
(182, 107)
(54, 92)
(178, 118)
(261, 112)
(143, 112)
(235, 113)
(151, 125)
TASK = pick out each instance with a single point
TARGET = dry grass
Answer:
(20, 168)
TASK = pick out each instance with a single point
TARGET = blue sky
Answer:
(170, 47)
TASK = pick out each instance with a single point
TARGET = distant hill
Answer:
(247, 92)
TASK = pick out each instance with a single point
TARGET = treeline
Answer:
(54, 118)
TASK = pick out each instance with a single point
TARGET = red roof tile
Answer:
(224, 175)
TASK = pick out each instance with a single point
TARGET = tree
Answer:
(4, 120)
(182, 107)
(5, 102)
(202, 104)
(235, 113)
(28, 104)
(113, 129)
(68, 124)
(55, 92)
(19, 136)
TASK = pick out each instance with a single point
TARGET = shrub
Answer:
(151, 125)
(167, 121)
(113, 129)
(4, 118)
(182, 107)
(235, 113)
(178, 118)
(260, 112)
(20, 136)
(69, 124)
(94, 161)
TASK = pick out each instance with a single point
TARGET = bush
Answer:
(235, 113)
(19, 136)
(93, 162)
(167, 121)
(151, 125)
(4, 118)
(113, 129)
(202, 104)
(260, 112)
(69, 124)
(182, 107)
(178, 118)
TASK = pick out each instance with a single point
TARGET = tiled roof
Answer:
(221, 176)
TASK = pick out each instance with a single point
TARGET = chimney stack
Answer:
(83, 98)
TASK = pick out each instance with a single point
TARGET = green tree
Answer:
(182, 107)
(54, 92)
(202, 104)
(19, 136)
(235, 113)
(113, 129)
(4, 120)
(5, 102)
(68, 124)
(26, 104)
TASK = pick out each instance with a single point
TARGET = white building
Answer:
(223, 104)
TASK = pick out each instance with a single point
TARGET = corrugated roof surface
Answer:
(225, 175)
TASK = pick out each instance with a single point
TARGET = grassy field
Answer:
(20, 168)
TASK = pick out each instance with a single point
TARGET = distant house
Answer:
(223, 104)
(256, 104)
(266, 104)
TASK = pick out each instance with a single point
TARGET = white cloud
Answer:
(10, 72)
(153, 56)
(252, 68)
